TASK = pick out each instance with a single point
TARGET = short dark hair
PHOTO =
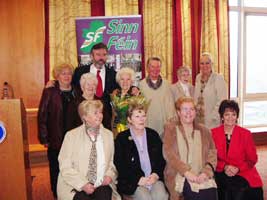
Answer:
(228, 104)
(100, 45)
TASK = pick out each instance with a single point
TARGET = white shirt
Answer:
(94, 70)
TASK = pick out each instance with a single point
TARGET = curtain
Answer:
(204, 28)
(157, 19)
(121, 7)
(60, 32)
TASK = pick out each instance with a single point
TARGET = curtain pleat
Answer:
(97, 7)
(177, 38)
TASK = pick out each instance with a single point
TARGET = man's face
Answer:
(99, 57)
(154, 69)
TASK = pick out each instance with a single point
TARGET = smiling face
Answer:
(229, 117)
(137, 120)
(89, 87)
(125, 81)
(64, 77)
(184, 77)
(94, 118)
(153, 69)
(99, 57)
(187, 113)
(205, 65)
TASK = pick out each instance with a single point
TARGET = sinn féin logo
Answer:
(2, 132)
(92, 35)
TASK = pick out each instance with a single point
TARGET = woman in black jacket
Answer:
(138, 158)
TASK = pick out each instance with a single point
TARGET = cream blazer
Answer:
(214, 92)
(178, 91)
(74, 159)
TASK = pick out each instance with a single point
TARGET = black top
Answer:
(127, 162)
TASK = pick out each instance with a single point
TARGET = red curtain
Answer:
(97, 7)
(177, 38)
(46, 51)
(140, 12)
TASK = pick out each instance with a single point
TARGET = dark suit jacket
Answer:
(127, 162)
(110, 85)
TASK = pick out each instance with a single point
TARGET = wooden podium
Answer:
(15, 175)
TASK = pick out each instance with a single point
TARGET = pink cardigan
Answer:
(241, 153)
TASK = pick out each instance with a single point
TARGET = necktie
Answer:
(99, 88)
(92, 168)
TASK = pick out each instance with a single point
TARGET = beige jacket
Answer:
(171, 154)
(178, 91)
(214, 92)
(74, 159)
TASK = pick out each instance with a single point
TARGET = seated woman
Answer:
(138, 158)
(236, 175)
(120, 97)
(86, 158)
(190, 155)
(183, 86)
(88, 83)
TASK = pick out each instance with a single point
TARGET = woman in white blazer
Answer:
(80, 178)
(210, 90)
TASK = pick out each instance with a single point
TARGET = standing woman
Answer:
(57, 115)
(138, 158)
(183, 86)
(190, 155)
(236, 175)
(210, 90)
(120, 97)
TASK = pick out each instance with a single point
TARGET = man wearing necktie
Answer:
(105, 76)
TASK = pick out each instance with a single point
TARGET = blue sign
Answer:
(2, 132)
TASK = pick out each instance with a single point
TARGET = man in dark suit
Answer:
(105, 75)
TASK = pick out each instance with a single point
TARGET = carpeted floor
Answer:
(41, 186)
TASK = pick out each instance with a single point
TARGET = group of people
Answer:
(171, 141)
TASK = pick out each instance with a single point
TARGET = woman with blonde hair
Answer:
(210, 90)
(86, 158)
(190, 155)
(56, 115)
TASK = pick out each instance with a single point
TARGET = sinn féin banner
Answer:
(121, 34)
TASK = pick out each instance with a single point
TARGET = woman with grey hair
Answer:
(210, 90)
(88, 83)
(120, 97)
(182, 87)
(86, 158)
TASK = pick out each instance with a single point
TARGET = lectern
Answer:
(15, 176)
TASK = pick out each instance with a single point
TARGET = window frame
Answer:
(242, 96)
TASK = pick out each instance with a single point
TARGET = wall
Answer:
(22, 53)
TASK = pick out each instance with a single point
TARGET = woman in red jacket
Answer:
(236, 175)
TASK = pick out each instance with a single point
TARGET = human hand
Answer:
(143, 181)
(107, 180)
(230, 170)
(88, 188)
(50, 83)
(202, 178)
(152, 178)
(190, 176)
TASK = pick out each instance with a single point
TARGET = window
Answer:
(248, 60)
